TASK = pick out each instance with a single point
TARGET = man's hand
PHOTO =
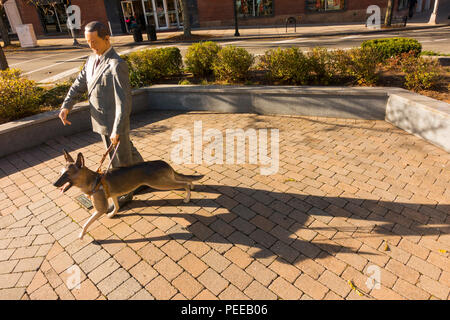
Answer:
(63, 116)
(115, 139)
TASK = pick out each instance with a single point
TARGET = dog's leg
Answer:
(94, 217)
(191, 185)
(116, 207)
(188, 194)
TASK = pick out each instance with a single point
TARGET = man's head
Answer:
(97, 37)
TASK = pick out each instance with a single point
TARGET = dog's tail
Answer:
(187, 178)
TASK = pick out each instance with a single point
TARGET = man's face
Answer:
(96, 43)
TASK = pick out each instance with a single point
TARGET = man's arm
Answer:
(122, 90)
(78, 87)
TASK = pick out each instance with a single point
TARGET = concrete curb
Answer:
(219, 39)
(425, 117)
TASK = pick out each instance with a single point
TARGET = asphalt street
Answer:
(55, 66)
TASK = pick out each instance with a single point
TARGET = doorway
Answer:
(164, 14)
(133, 8)
(53, 18)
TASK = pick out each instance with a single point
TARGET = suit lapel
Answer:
(99, 70)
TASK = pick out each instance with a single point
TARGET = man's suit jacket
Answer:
(109, 93)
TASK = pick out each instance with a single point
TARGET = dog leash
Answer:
(99, 178)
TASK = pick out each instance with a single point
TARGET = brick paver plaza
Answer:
(352, 201)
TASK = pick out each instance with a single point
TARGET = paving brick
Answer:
(285, 270)
(213, 281)
(85, 253)
(410, 291)
(193, 265)
(38, 281)
(434, 287)
(257, 291)
(151, 253)
(26, 279)
(174, 250)
(103, 270)
(285, 290)
(237, 276)
(45, 292)
(424, 267)
(187, 285)
(216, 261)
(28, 264)
(142, 294)
(9, 280)
(311, 287)
(168, 268)
(61, 262)
(309, 266)
(335, 283)
(232, 293)
(127, 258)
(126, 290)
(112, 281)
(160, 288)
(87, 291)
(12, 293)
(64, 293)
(143, 273)
(403, 271)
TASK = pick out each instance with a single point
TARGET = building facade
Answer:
(50, 17)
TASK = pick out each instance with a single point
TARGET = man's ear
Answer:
(67, 156)
(80, 161)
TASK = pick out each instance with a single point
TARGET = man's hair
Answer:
(101, 29)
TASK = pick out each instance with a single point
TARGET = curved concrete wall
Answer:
(422, 116)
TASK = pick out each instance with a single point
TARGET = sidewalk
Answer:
(227, 34)
(352, 197)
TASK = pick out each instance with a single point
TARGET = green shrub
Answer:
(420, 73)
(363, 65)
(200, 57)
(288, 65)
(19, 97)
(147, 66)
(340, 64)
(232, 64)
(391, 47)
(320, 69)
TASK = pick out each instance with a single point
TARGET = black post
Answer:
(236, 28)
(3, 61)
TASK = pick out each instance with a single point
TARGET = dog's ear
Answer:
(80, 161)
(67, 156)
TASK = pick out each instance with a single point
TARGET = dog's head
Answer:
(70, 172)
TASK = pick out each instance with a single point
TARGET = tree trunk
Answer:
(186, 20)
(3, 62)
(3, 28)
(389, 10)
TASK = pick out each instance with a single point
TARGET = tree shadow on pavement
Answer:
(287, 226)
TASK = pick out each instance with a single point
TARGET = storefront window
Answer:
(254, 8)
(325, 5)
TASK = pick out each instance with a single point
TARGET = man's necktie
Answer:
(97, 61)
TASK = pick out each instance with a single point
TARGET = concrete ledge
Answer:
(422, 116)
(334, 102)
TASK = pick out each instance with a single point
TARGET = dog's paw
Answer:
(81, 235)
(111, 214)
(186, 200)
